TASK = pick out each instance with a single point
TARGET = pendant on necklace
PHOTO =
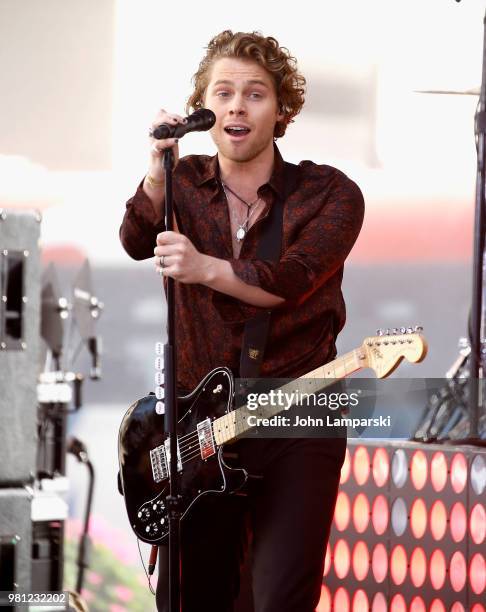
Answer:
(240, 234)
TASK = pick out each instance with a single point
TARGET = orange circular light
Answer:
(379, 562)
(341, 600)
(477, 524)
(342, 511)
(360, 602)
(437, 569)
(418, 567)
(438, 520)
(324, 604)
(458, 472)
(327, 560)
(399, 468)
(478, 608)
(458, 522)
(361, 465)
(360, 560)
(418, 518)
(417, 605)
(458, 571)
(398, 604)
(361, 513)
(438, 471)
(418, 469)
(398, 564)
(437, 606)
(457, 607)
(380, 514)
(346, 468)
(379, 603)
(341, 559)
(477, 574)
(381, 467)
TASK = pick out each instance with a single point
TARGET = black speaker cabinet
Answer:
(15, 540)
(19, 344)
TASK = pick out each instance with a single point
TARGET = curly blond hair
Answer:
(277, 61)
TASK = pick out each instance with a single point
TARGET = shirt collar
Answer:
(276, 182)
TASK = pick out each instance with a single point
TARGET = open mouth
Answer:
(238, 131)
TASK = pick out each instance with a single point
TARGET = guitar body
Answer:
(144, 456)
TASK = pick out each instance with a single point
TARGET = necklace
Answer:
(242, 227)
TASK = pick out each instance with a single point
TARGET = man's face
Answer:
(242, 95)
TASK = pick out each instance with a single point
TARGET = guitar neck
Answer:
(234, 424)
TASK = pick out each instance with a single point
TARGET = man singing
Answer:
(222, 204)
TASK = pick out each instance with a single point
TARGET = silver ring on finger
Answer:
(161, 259)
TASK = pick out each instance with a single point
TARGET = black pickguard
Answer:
(142, 430)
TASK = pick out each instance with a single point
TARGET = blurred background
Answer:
(81, 82)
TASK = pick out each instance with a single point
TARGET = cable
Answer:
(145, 569)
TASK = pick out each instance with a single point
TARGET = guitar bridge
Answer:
(206, 440)
(158, 461)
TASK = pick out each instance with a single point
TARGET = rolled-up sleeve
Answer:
(140, 226)
(317, 253)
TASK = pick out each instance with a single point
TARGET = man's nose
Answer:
(238, 107)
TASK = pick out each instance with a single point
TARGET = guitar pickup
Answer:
(167, 455)
(206, 440)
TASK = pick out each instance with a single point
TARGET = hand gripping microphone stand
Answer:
(170, 380)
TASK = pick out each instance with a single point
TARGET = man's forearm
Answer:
(221, 277)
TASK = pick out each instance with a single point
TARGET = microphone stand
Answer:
(170, 420)
(479, 232)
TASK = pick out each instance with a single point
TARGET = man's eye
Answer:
(256, 95)
(222, 94)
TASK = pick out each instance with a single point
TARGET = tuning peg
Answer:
(159, 378)
(160, 408)
(409, 330)
(159, 348)
(380, 332)
(159, 364)
(403, 330)
(387, 331)
(395, 331)
(418, 329)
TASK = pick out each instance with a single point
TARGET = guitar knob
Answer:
(418, 329)
(159, 393)
(379, 332)
(160, 408)
(144, 514)
(409, 330)
(395, 331)
(403, 330)
(159, 378)
(159, 364)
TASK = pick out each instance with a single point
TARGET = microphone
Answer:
(200, 121)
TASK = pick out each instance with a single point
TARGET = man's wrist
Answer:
(212, 270)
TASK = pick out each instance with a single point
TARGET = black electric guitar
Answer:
(208, 421)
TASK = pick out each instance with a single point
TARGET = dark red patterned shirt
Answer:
(323, 214)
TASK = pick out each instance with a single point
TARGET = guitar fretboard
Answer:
(235, 423)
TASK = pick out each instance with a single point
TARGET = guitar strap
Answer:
(256, 329)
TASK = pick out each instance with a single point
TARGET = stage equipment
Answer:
(15, 539)
(19, 344)
(409, 530)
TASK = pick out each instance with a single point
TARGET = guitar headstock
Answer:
(385, 351)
